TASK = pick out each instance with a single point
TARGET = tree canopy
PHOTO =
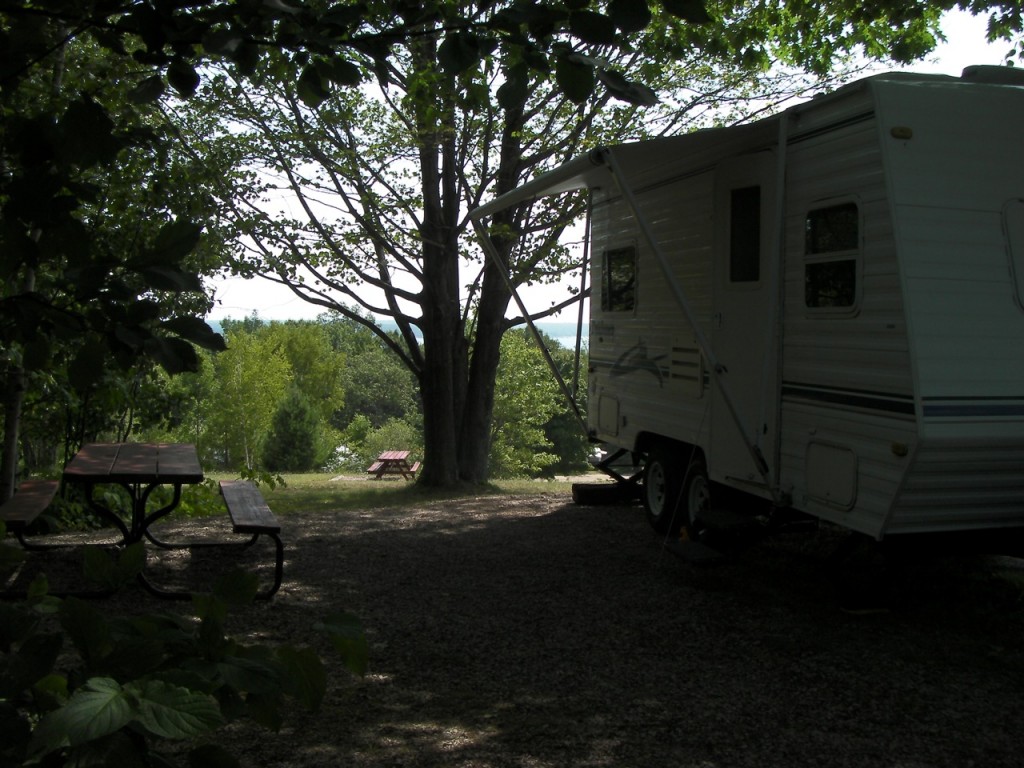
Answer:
(105, 225)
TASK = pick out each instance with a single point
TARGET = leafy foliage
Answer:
(292, 443)
(96, 689)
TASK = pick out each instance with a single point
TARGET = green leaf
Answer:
(591, 27)
(630, 15)
(87, 367)
(305, 677)
(174, 355)
(515, 90)
(693, 11)
(196, 330)
(346, 634)
(621, 88)
(97, 709)
(33, 661)
(168, 278)
(87, 628)
(311, 88)
(344, 72)
(183, 77)
(250, 675)
(175, 240)
(175, 713)
(237, 587)
(148, 91)
(576, 80)
(461, 50)
(112, 571)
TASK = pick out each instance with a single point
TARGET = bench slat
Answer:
(249, 512)
(28, 503)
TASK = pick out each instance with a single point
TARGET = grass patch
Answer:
(318, 492)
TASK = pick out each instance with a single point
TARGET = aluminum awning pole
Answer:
(702, 340)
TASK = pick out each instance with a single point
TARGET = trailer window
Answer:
(745, 235)
(832, 246)
(618, 280)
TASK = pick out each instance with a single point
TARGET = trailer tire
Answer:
(696, 498)
(661, 491)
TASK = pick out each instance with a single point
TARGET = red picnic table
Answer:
(394, 463)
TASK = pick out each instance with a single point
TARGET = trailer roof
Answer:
(657, 156)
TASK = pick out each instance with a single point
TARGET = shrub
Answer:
(96, 689)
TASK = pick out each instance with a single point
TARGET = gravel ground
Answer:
(529, 631)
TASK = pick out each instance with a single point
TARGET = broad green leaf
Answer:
(87, 628)
(249, 675)
(148, 91)
(175, 240)
(349, 639)
(196, 330)
(515, 90)
(174, 355)
(170, 278)
(621, 88)
(99, 567)
(33, 661)
(87, 367)
(630, 15)
(183, 77)
(591, 27)
(345, 73)
(97, 709)
(305, 677)
(575, 80)
(311, 87)
(174, 713)
(693, 11)
(237, 587)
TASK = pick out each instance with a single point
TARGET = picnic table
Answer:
(394, 463)
(141, 468)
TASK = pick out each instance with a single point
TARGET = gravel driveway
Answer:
(529, 631)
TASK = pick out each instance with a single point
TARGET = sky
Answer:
(238, 298)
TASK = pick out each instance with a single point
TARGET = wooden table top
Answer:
(135, 463)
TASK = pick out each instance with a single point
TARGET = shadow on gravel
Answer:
(528, 631)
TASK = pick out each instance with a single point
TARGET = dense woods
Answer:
(299, 396)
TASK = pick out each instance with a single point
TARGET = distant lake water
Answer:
(563, 333)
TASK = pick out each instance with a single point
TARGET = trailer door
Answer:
(743, 333)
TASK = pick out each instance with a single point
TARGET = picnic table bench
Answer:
(28, 503)
(394, 463)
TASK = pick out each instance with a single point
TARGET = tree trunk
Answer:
(475, 436)
(15, 389)
(442, 378)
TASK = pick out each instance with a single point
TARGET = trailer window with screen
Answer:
(831, 250)
(618, 280)
(745, 235)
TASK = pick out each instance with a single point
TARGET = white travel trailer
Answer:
(824, 309)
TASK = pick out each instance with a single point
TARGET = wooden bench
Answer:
(251, 515)
(22, 509)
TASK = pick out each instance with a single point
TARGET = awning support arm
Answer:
(718, 370)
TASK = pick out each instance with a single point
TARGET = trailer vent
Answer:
(993, 74)
(688, 369)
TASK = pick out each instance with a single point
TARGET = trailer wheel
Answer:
(696, 498)
(661, 492)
